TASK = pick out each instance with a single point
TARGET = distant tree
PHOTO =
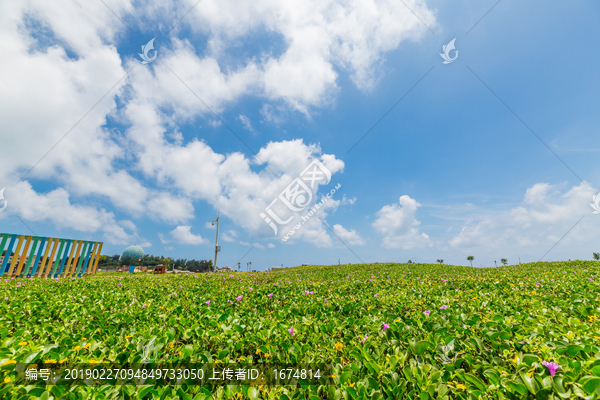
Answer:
(440, 261)
(596, 256)
(471, 258)
(129, 261)
(504, 261)
(116, 257)
(409, 262)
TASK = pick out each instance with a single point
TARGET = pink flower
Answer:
(376, 294)
(589, 279)
(6, 298)
(144, 306)
(239, 297)
(270, 295)
(385, 326)
(230, 302)
(426, 312)
(250, 288)
(208, 302)
(325, 300)
(120, 284)
(419, 278)
(444, 307)
(552, 367)
(291, 331)
(364, 340)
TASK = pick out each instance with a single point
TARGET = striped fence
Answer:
(45, 257)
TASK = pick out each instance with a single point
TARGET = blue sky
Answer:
(454, 169)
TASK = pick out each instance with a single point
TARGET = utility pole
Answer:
(217, 248)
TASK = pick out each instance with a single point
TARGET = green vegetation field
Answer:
(411, 331)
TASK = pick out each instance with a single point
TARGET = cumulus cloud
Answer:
(183, 235)
(544, 216)
(229, 236)
(61, 58)
(55, 207)
(399, 226)
(351, 237)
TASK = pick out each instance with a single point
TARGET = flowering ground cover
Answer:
(388, 330)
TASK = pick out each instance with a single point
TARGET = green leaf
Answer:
(475, 381)
(345, 377)
(422, 346)
(252, 392)
(590, 383)
(529, 383)
(558, 387)
(517, 387)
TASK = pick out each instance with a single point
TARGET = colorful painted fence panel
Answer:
(42, 257)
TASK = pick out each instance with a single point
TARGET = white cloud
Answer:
(229, 236)
(67, 52)
(348, 201)
(399, 226)
(163, 239)
(539, 222)
(317, 37)
(183, 235)
(247, 123)
(271, 246)
(351, 237)
(170, 208)
(55, 207)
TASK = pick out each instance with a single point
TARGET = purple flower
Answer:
(385, 326)
(444, 307)
(426, 312)
(325, 300)
(208, 302)
(239, 297)
(552, 367)
(270, 295)
(230, 302)
(291, 331)
(376, 294)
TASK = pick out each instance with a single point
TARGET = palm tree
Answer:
(471, 258)
(440, 261)
(504, 261)
(238, 267)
